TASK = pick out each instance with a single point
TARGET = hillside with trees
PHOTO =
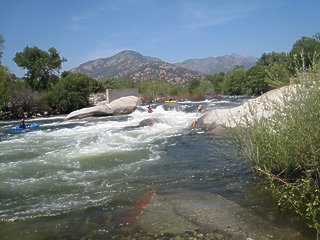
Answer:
(133, 65)
(213, 65)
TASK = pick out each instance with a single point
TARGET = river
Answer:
(80, 179)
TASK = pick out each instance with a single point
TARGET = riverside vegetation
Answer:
(284, 149)
(43, 91)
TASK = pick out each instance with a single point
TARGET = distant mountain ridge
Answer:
(212, 65)
(134, 65)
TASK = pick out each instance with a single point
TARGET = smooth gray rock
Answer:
(96, 111)
(172, 106)
(190, 210)
(145, 123)
(238, 115)
(124, 105)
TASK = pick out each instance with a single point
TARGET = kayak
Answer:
(34, 125)
(170, 101)
(150, 111)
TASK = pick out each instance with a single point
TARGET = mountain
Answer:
(134, 65)
(212, 65)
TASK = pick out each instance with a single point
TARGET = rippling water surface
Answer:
(74, 179)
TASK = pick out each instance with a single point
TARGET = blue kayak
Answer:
(34, 125)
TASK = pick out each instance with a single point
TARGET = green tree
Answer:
(255, 81)
(206, 88)
(317, 36)
(129, 82)
(112, 83)
(278, 75)
(234, 81)
(155, 87)
(71, 93)
(303, 54)
(174, 92)
(4, 88)
(1, 46)
(95, 86)
(194, 86)
(216, 80)
(268, 58)
(40, 65)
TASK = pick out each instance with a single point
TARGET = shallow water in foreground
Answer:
(79, 179)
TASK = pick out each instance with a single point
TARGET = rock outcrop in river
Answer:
(124, 105)
(190, 210)
(216, 119)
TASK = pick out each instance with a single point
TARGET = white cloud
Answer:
(197, 15)
(78, 20)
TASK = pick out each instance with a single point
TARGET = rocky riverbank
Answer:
(7, 115)
(215, 120)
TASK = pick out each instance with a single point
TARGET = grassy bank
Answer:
(284, 150)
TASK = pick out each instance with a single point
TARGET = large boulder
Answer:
(96, 111)
(124, 105)
(216, 119)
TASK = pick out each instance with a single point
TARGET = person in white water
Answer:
(22, 123)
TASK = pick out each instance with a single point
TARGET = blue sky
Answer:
(173, 30)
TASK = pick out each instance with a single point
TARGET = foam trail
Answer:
(64, 165)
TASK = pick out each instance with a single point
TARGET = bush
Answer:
(234, 80)
(23, 101)
(70, 94)
(4, 87)
(285, 149)
(194, 86)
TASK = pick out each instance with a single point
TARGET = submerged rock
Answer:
(169, 106)
(144, 123)
(191, 210)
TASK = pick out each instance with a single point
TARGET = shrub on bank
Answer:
(284, 149)
(70, 94)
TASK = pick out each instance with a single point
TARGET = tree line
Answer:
(44, 90)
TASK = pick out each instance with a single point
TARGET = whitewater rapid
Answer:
(65, 165)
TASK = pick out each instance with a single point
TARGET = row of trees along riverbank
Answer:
(43, 90)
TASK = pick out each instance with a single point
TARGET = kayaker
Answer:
(22, 124)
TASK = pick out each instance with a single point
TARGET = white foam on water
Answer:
(73, 164)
